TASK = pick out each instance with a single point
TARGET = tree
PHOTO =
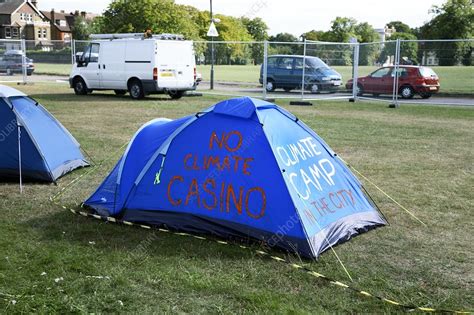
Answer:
(161, 16)
(258, 29)
(96, 26)
(342, 30)
(453, 20)
(232, 29)
(400, 27)
(315, 35)
(80, 29)
(365, 33)
(282, 48)
(408, 50)
(283, 37)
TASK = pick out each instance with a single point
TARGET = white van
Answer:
(161, 64)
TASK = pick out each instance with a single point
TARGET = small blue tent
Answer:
(242, 168)
(33, 144)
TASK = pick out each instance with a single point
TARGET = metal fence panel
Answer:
(51, 59)
(369, 71)
(328, 68)
(236, 67)
(12, 61)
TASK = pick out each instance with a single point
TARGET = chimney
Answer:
(53, 17)
(76, 13)
(34, 3)
(83, 14)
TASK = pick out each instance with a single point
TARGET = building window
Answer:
(45, 33)
(40, 33)
(8, 32)
(22, 16)
(15, 32)
(29, 17)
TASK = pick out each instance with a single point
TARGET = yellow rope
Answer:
(383, 192)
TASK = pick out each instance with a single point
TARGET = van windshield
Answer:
(316, 63)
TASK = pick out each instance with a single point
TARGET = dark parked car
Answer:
(286, 72)
(11, 63)
(412, 80)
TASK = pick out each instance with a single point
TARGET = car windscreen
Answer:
(427, 72)
(316, 63)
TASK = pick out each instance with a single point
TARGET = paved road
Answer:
(253, 90)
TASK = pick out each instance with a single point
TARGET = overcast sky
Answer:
(296, 16)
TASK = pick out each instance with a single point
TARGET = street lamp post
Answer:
(212, 53)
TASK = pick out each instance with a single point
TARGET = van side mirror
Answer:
(80, 59)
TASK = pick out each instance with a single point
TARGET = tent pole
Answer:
(19, 157)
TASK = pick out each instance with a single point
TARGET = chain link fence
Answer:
(394, 71)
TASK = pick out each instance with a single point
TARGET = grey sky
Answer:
(296, 16)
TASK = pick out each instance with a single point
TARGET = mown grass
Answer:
(422, 155)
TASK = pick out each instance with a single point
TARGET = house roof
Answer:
(59, 16)
(10, 6)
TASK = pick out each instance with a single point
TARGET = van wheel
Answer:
(315, 89)
(176, 95)
(135, 89)
(425, 95)
(80, 87)
(270, 87)
(120, 92)
(407, 92)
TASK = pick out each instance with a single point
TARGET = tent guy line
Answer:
(383, 192)
(54, 200)
(266, 254)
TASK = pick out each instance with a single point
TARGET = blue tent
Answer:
(33, 144)
(242, 168)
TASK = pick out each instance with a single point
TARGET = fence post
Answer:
(73, 51)
(355, 74)
(265, 68)
(395, 103)
(23, 61)
(303, 81)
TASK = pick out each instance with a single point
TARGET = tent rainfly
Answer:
(33, 144)
(242, 168)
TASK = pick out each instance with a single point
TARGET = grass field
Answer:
(52, 261)
(453, 79)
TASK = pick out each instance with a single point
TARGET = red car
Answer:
(412, 80)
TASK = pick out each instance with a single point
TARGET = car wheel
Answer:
(270, 87)
(120, 92)
(360, 90)
(314, 88)
(135, 89)
(9, 71)
(176, 95)
(80, 87)
(425, 95)
(406, 92)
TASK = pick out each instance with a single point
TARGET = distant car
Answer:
(11, 63)
(286, 72)
(412, 80)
